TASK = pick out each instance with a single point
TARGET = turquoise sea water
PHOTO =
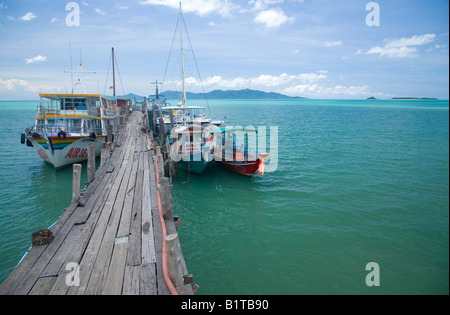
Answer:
(357, 182)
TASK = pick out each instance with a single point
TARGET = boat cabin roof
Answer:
(231, 129)
(183, 107)
(57, 97)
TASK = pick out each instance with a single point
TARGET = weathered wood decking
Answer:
(112, 235)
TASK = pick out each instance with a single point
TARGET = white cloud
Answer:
(53, 20)
(15, 84)
(314, 85)
(121, 7)
(100, 11)
(38, 58)
(199, 7)
(262, 82)
(316, 90)
(333, 43)
(402, 47)
(272, 18)
(28, 17)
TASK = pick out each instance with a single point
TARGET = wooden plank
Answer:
(148, 243)
(95, 204)
(147, 285)
(131, 280)
(134, 251)
(93, 248)
(116, 271)
(60, 256)
(99, 271)
(43, 286)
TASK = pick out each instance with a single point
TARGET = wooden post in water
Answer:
(103, 158)
(144, 107)
(166, 198)
(173, 166)
(109, 136)
(91, 162)
(171, 118)
(162, 130)
(174, 257)
(154, 116)
(76, 182)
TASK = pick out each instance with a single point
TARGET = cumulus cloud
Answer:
(321, 90)
(262, 82)
(199, 7)
(38, 58)
(121, 7)
(333, 43)
(16, 84)
(272, 18)
(314, 84)
(100, 11)
(28, 17)
(400, 48)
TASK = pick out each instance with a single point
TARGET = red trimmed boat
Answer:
(228, 153)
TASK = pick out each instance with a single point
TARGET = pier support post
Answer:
(174, 260)
(91, 162)
(109, 136)
(166, 198)
(103, 158)
(76, 182)
(160, 160)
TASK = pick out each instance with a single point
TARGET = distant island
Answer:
(220, 94)
(407, 98)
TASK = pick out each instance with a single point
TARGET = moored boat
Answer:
(234, 156)
(66, 123)
(190, 150)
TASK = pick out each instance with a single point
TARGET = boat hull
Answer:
(62, 152)
(195, 163)
(245, 168)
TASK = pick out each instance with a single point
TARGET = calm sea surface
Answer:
(356, 182)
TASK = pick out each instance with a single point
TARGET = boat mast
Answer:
(183, 96)
(114, 72)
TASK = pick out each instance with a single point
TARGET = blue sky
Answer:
(322, 49)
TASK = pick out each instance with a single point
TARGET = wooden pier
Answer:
(110, 240)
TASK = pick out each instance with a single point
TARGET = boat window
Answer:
(73, 103)
(74, 126)
(40, 126)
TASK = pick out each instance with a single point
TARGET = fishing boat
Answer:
(66, 123)
(184, 125)
(191, 150)
(234, 155)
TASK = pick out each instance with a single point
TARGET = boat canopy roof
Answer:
(231, 129)
(68, 95)
(183, 107)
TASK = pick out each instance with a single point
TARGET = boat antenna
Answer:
(79, 76)
(114, 72)
(157, 91)
(71, 66)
